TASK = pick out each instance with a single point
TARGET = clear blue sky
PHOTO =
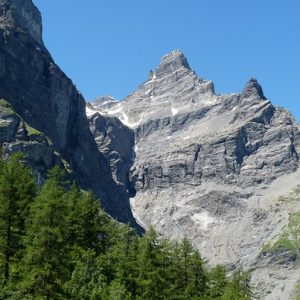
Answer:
(107, 47)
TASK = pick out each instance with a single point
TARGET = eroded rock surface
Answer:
(214, 168)
(47, 100)
(116, 142)
(17, 136)
(206, 165)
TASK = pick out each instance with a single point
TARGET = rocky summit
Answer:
(221, 170)
(218, 169)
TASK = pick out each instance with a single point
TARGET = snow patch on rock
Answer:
(125, 120)
(89, 112)
(115, 111)
(174, 111)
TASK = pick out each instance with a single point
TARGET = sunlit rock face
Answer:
(206, 166)
(47, 100)
(21, 15)
(221, 170)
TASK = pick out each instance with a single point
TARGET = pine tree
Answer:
(152, 266)
(17, 191)
(91, 234)
(238, 288)
(122, 257)
(86, 221)
(217, 282)
(118, 291)
(88, 280)
(61, 245)
(198, 284)
(46, 261)
(190, 278)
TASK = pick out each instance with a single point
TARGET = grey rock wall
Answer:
(23, 16)
(197, 164)
(116, 142)
(46, 99)
(17, 136)
(185, 133)
(210, 167)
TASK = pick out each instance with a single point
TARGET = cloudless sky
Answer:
(107, 47)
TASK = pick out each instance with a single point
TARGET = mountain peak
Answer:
(17, 14)
(171, 62)
(253, 88)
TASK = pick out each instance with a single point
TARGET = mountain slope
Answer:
(46, 99)
(222, 170)
(207, 166)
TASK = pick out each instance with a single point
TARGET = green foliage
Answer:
(32, 131)
(4, 103)
(46, 260)
(294, 228)
(217, 282)
(87, 281)
(152, 267)
(238, 288)
(6, 108)
(298, 290)
(61, 245)
(289, 240)
(86, 222)
(17, 190)
(283, 243)
(191, 279)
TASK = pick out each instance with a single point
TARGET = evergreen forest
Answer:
(57, 243)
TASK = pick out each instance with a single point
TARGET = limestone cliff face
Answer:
(211, 167)
(23, 16)
(48, 101)
(116, 142)
(17, 136)
(185, 133)
(219, 169)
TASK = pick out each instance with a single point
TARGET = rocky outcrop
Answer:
(22, 16)
(197, 164)
(186, 134)
(206, 166)
(17, 136)
(47, 100)
(253, 89)
(116, 142)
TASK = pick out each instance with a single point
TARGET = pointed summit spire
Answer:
(253, 89)
(172, 62)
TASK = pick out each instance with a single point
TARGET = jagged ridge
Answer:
(206, 165)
